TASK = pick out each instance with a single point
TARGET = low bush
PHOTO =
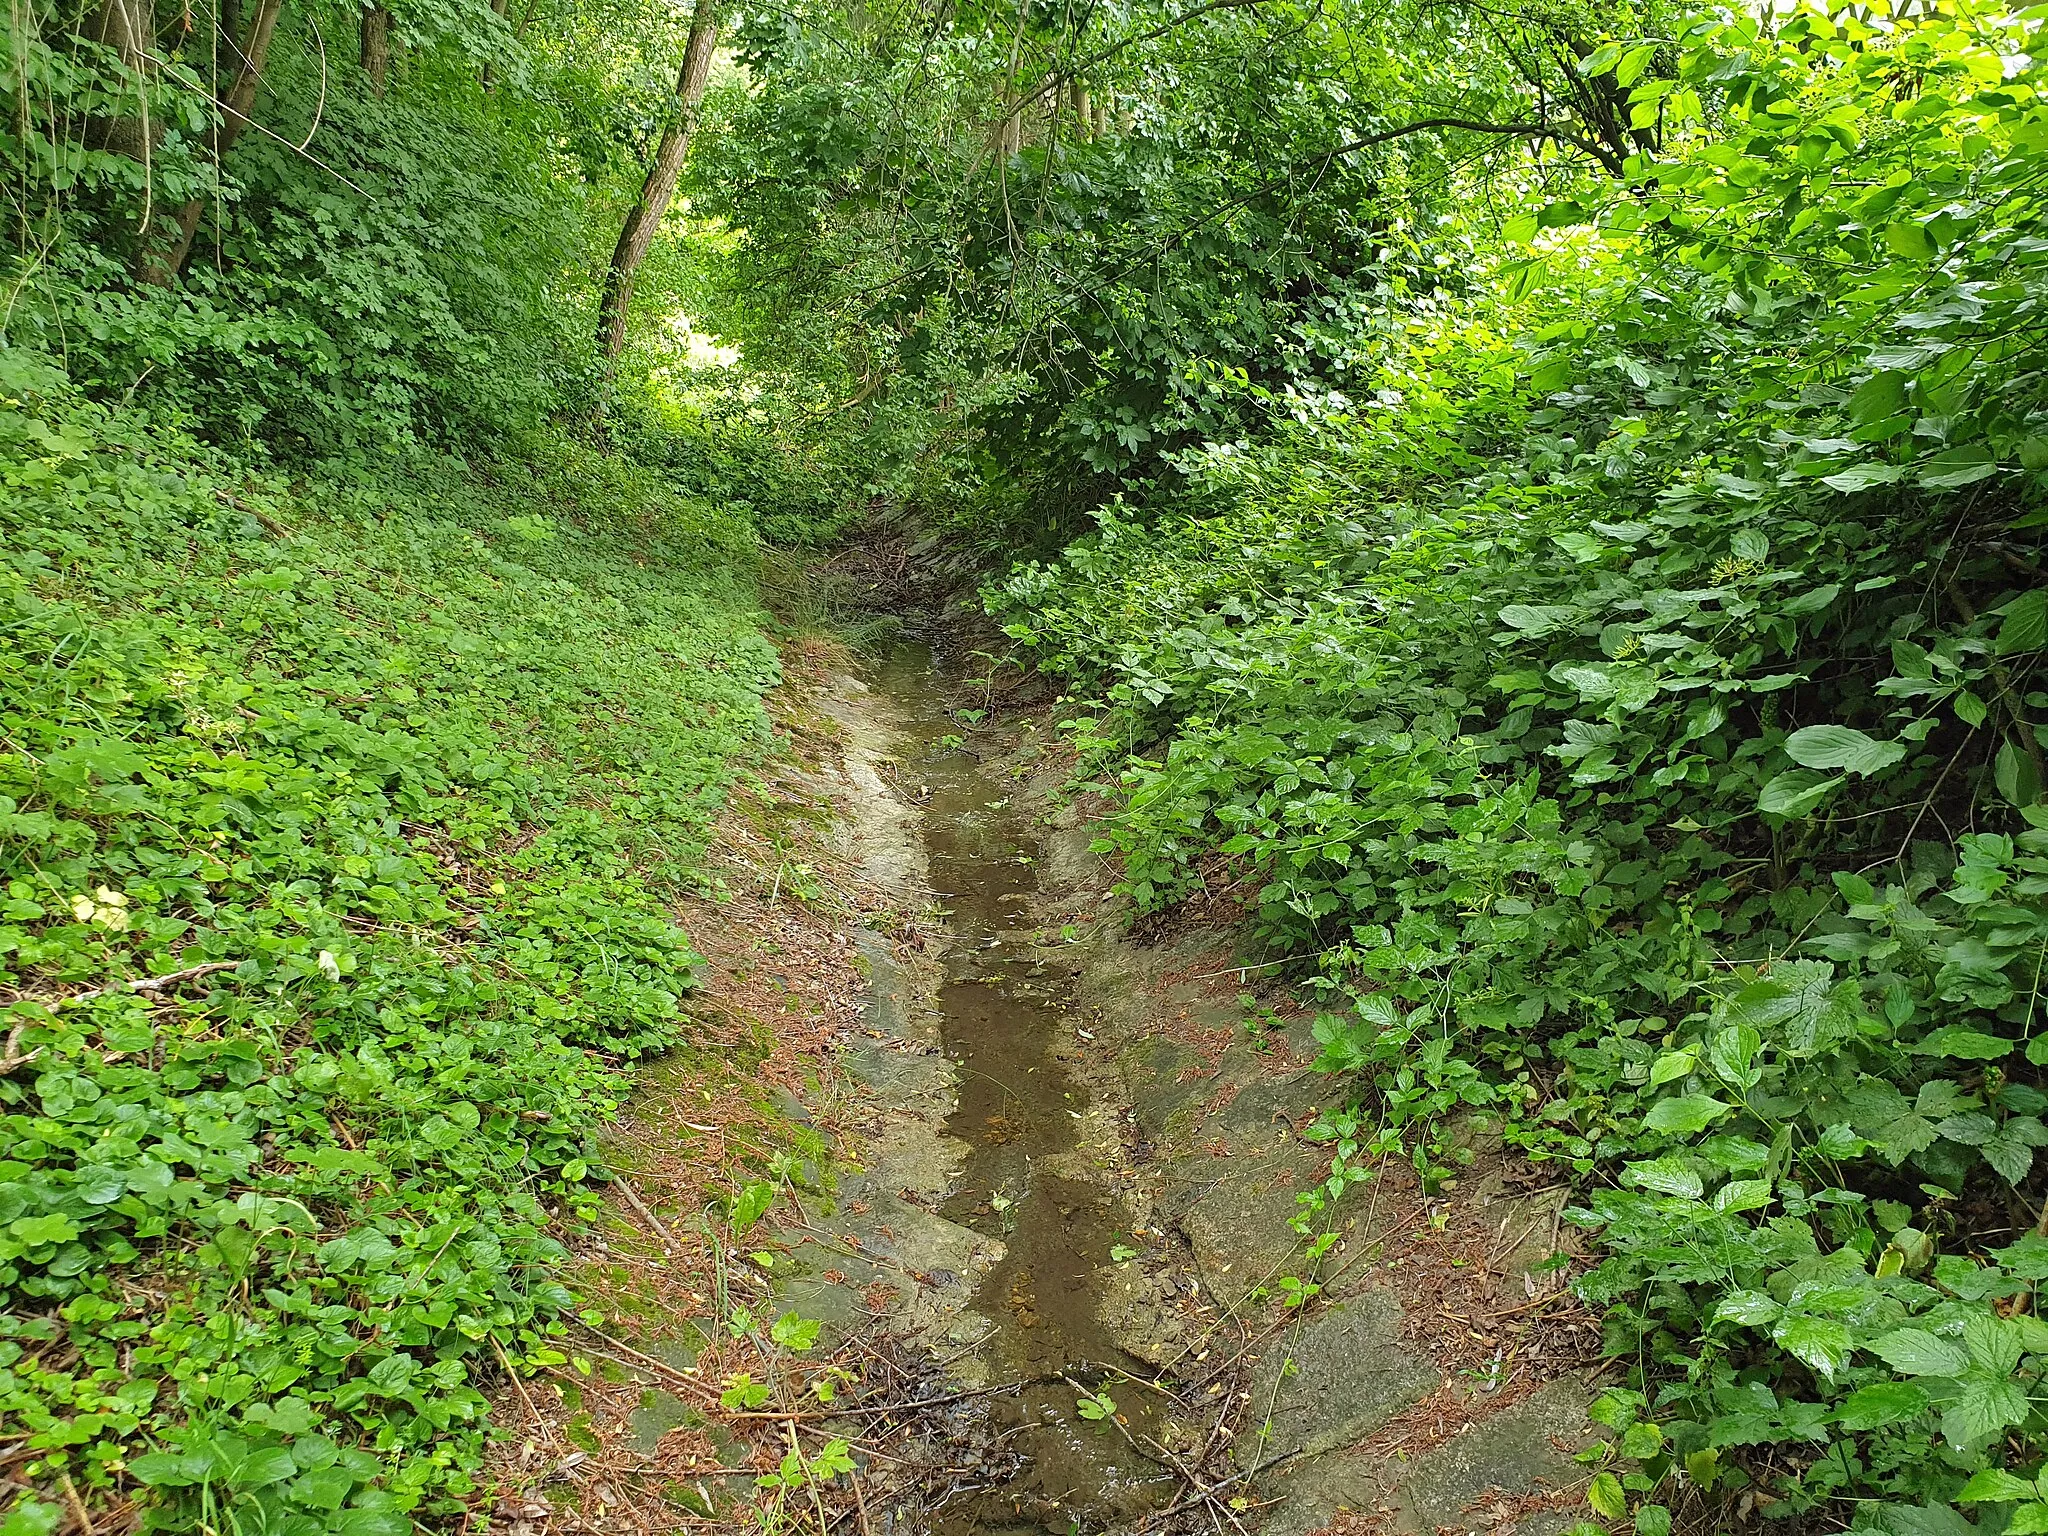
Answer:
(1629, 708)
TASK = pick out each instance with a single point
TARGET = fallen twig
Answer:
(661, 1234)
(155, 983)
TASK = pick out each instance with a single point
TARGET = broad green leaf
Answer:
(1840, 746)
(1919, 1353)
(2011, 1160)
(1884, 1402)
(1909, 240)
(1605, 1495)
(1667, 1176)
(1985, 1407)
(1582, 547)
(1732, 1053)
(35, 1231)
(323, 1487)
(1536, 619)
(1671, 1066)
(1752, 1308)
(1819, 1342)
(1795, 793)
(1960, 1044)
(1743, 1195)
(1863, 477)
(1993, 1343)
(794, 1331)
(31, 1516)
(1817, 601)
(1957, 468)
(371, 1522)
(1876, 398)
(2013, 772)
(1685, 1115)
(163, 1469)
(1925, 1520)
(271, 1464)
(2024, 625)
(1633, 63)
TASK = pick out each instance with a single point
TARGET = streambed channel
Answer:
(1071, 1196)
(1004, 1003)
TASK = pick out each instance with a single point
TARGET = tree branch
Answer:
(1058, 78)
(1385, 136)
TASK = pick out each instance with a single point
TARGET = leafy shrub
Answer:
(1631, 707)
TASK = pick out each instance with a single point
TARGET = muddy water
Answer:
(1005, 1008)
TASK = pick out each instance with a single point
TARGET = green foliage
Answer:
(1096, 1407)
(1052, 243)
(1626, 701)
(371, 270)
(389, 783)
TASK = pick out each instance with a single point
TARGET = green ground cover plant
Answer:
(1627, 702)
(338, 822)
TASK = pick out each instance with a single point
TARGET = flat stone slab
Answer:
(932, 1266)
(1163, 1081)
(1517, 1451)
(1467, 1486)
(1333, 1379)
(1235, 1212)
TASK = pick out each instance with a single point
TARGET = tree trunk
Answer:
(1010, 137)
(127, 27)
(162, 266)
(377, 46)
(660, 187)
(1084, 120)
(227, 26)
(486, 78)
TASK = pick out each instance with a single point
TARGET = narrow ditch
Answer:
(1001, 1009)
(1071, 1199)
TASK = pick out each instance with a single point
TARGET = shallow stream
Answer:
(1005, 1006)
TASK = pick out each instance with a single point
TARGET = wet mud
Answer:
(1001, 1008)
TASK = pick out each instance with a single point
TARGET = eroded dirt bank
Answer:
(1038, 1178)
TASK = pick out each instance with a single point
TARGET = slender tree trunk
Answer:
(487, 79)
(1084, 120)
(227, 27)
(162, 265)
(128, 28)
(1010, 139)
(377, 46)
(660, 187)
